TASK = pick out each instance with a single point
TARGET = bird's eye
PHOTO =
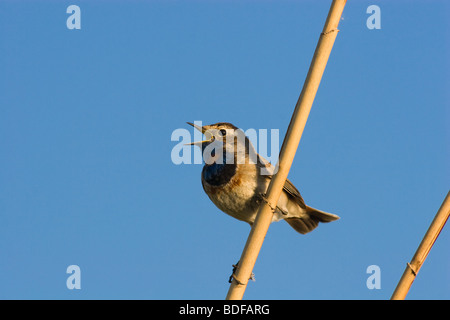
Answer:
(223, 132)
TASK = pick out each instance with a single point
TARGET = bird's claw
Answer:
(233, 275)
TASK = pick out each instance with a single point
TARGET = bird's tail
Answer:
(311, 220)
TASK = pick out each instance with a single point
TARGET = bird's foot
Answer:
(233, 275)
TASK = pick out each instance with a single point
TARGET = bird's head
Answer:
(226, 139)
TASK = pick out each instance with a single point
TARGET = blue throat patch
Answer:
(218, 174)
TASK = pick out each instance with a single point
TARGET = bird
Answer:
(235, 178)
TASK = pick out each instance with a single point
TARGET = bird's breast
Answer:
(237, 194)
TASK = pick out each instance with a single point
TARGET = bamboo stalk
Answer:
(413, 267)
(287, 153)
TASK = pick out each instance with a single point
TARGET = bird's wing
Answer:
(288, 187)
(294, 193)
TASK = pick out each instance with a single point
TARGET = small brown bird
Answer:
(236, 178)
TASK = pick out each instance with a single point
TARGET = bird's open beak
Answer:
(201, 129)
(209, 136)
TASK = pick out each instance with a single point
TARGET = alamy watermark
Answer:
(374, 20)
(74, 20)
(74, 280)
(374, 280)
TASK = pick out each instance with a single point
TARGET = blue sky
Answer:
(86, 118)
